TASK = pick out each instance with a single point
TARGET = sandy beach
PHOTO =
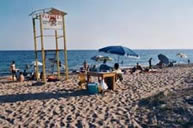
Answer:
(64, 104)
(143, 50)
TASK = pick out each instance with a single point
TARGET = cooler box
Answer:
(92, 88)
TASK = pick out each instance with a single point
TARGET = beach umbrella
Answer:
(182, 55)
(119, 50)
(101, 58)
(34, 63)
(163, 58)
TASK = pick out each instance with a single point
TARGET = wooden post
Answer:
(113, 86)
(35, 47)
(43, 53)
(57, 55)
(65, 49)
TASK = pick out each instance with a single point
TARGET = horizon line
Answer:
(97, 49)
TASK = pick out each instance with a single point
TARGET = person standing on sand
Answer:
(150, 65)
(13, 70)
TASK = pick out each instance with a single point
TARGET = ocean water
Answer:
(76, 58)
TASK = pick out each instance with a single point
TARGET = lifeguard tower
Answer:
(53, 20)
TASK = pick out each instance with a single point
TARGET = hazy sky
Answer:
(92, 24)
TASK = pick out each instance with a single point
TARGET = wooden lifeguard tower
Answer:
(49, 19)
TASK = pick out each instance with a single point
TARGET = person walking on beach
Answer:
(13, 70)
(150, 65)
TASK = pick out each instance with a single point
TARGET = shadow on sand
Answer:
(42, 96)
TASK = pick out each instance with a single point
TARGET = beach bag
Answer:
(92, 88)
(103, 85)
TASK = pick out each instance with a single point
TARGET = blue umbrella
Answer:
(119, 50)
(163, 59)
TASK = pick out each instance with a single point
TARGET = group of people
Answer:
(19, 76)
(139, 68)
(15, 74)
(103, 68)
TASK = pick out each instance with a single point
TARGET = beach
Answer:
(96, 64)
(64, 104)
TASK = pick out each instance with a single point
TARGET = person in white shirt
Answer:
(119, 73)
(13, 70)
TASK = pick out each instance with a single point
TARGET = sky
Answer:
(93, 24)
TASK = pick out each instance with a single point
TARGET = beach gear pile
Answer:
(94, 87)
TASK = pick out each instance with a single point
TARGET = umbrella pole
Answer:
(118, 59)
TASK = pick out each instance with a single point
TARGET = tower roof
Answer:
(51, 11)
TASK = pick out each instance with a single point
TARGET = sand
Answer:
(64, 104)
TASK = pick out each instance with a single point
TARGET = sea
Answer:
(77, 57)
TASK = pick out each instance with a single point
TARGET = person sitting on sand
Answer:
(13, 70)
(137, 67)
(104, 67)
(21, 77)
(160, 64)
(170, 64)
(119, 73)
